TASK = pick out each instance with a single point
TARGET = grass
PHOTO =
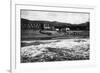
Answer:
(45, 53)
(54, 54)
(47, 35)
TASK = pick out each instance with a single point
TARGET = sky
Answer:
(66, 17)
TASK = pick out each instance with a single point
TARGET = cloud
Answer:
(68, 17)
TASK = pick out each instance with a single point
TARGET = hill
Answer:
(25, 23)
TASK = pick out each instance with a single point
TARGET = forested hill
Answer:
(82, 26)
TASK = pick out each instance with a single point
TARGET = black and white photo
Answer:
(51, 36)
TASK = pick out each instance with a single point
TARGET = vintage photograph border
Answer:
(15, 28)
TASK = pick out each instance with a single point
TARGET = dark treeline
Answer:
(29, 24)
